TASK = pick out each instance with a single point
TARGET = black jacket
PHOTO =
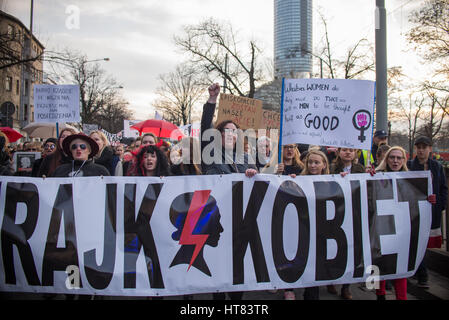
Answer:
(80, 169)
(439, 186)
(338, 168)
(107, 159)
(237, 165)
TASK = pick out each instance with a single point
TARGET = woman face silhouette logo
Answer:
(197, 219)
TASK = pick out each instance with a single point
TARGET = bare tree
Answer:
(178, 93)
(215, 48)
(430, 35)
(357, 61)
(98, 91)
(433, 116)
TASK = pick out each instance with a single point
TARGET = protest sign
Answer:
(270, 120)
(56, 103)
(88, 128)
(152, 236)
(328, 112)
(245, 112)
(127, 132)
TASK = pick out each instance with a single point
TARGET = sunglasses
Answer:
(81, 145)
(51, 146)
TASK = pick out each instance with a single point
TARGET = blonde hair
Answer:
(102, 137)
(306, 161)
(383, 166)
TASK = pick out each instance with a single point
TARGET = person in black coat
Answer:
(81, 149)
(5, 159)
(232, 160)
(422, 161)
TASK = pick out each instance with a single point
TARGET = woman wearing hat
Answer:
(81, 149)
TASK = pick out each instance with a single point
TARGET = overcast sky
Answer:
(137, 35)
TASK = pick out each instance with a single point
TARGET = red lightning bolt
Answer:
(199, 200)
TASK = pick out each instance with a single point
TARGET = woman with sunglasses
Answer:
(49, 148)
(81, 149)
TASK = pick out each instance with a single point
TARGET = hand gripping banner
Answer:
(197, 234)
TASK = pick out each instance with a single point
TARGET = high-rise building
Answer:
(292, 38)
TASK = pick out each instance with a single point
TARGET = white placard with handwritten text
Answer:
(328, 112)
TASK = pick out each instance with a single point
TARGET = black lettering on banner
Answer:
(13, 234)
(245, 231)
(412, 191)
(290, 270)
(138, 233)
(330, 269)
(380, 225)
(58, 259)
(359, 265)
(99, 276)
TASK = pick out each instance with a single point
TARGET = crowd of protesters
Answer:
(75, 154)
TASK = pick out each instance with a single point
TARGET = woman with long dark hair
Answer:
(150, 161)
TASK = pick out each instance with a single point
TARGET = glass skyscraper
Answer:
(292, 38)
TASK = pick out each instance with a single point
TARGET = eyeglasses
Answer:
(49, 146)
(32, 150)
(75, 146)
(289, 147)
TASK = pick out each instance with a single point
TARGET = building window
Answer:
(25, 113)
(8, 83)
(17, 87)
(25, 91)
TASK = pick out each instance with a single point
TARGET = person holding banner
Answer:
(81, 150)
(396, 160)
(50, 163)
(237, 164)
(423, 161)
(345, 163)
(291, 161)
(315, 163)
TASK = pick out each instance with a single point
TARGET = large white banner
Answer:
(56, 103)
(197, 234)
(328, 112)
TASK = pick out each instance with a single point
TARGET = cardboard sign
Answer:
(270, 120)
(56, 103)
(328, 112)
(246, 112)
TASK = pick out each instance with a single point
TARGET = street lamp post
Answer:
(381, 67)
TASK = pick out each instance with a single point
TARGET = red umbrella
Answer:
(161, 128)
(12, 134)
